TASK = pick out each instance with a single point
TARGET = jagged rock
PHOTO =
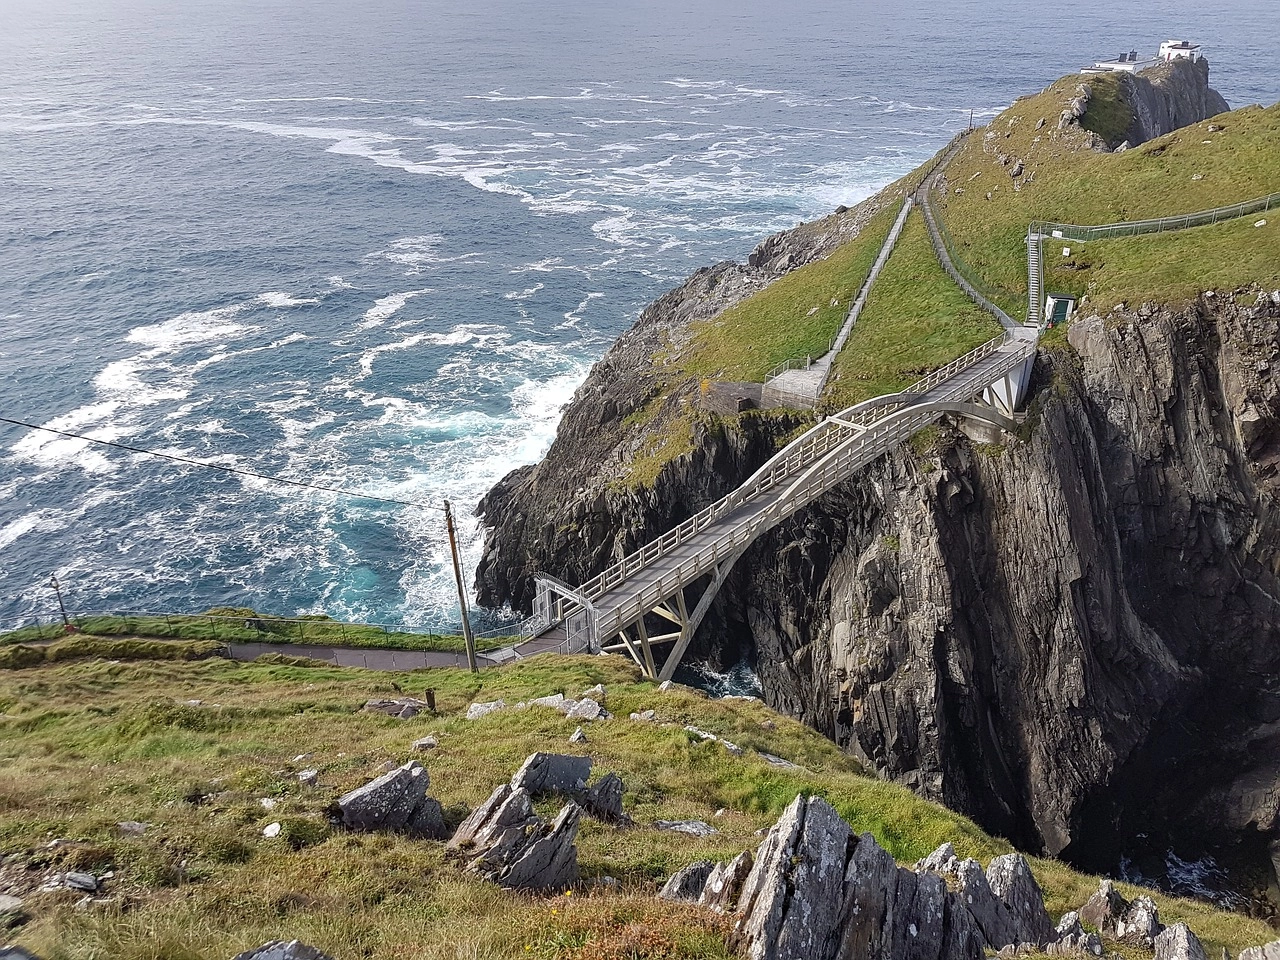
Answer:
(556, 702)
(694, 828)
(1072, 940)
(1017, 170)
(595, 693)
(425, 744)
(725, 882)
(962, 938)
(516, 849)
(587, 709)
(687, 883)
(1179, 943)
(402, 708)
(646, 715)
(280, 950)
(871, 883)
(1140, 923)
(942, 861)
(578, 736)
(478, 710)
(1268, 951)
(998, 923)
(1104, 910)
(1011, 880)
(395, 801)
(505, 809)
(918, 915)
(791, 903)
(604, 800)
(308, 777)
(552, 773)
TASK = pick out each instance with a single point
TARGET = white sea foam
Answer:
(384, 308)
(524, 294)
(274, 298)
(38, 521)
(197, 326)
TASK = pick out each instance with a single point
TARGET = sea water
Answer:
(376, 247)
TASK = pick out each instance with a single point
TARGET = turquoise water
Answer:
(378, 247)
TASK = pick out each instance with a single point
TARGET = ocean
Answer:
(376, 246)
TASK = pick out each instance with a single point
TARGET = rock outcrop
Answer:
(1165, 98)
(567, 775)
(506, 842)
(397, 800)
(817, 892)
(281, 950)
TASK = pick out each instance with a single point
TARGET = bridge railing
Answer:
(800, 453)
(799, 363)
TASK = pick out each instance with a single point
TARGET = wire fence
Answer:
(1133, 228)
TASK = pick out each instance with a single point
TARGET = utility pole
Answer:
(57, 588)
(971, 119)
(462, 590)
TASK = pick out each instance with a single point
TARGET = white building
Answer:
(1179, 50)
(1129, 62)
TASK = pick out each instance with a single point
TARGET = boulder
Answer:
(1104, 909)
(1140, 923)
(555, 701)
(552, 773)
(478, 710)
(999, 926)
(725, 882)
(1179, 943)
(919, 912)
(942, 861)
(1072, 940)
(1011, 880)
(604, 800)
(308, 777)
(12, 912)
(962, 938)
(646, 715)
(1268, 951)
(578, 736)
(687, 883)
(505, 809)
(425, 744)
(694, 828)
(871, 883)
(587, 709)
(280, 950)
(519, 850)
(402, 708)
(395, 801)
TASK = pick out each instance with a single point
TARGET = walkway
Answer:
(799, 383)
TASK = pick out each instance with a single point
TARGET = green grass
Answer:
(1168, 267)
(1186, 171)
(915, 320)
(1108, 115)
(794, 317)
(96, 742)
(242, 625)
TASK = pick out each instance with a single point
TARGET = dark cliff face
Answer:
(1041, 634)
(1167, 97)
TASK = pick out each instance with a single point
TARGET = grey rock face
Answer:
(395, 801)
(687, 883)
(552, 773)
(425, 744)
(12, 913)
(1104, 910)
(725, 882)
(1268, 951)
(515, 848)
(1010, 879)
(1140, 923)
(942, 861)
(695, 828)
(280, 950)
(603, 801)
(578, 736)
(994, 918)
(1179, 943)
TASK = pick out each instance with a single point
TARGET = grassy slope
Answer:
(915, 320)
(92, 743)
(1188, 170)
(238, 625)
(795, 316)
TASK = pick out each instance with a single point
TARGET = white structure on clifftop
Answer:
(1129, 62)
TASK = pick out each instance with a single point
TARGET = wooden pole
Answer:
(462, 590)
(57, 588)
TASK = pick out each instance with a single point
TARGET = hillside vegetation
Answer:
(191, 750)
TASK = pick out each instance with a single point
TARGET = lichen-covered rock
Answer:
(1268, 951)
(280, 950)
(725, 882)
(603, 800)
(1140, 923)
(395, 801)
(942, 861)
(1011, 880)
(1104, 909)
(687, 883)
(694, 828)
(552, 773)
(1179, 943)
(999, 926)
(478, 710)
(534, 855)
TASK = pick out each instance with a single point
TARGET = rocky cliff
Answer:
(1054, 634)
(1167, 97)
